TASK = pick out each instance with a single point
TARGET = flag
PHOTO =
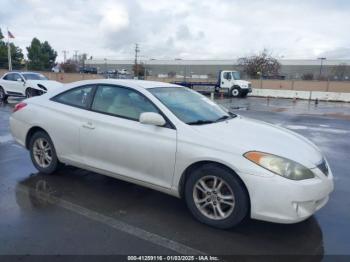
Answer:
(10, 35)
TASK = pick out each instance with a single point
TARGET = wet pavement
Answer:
(79, 212)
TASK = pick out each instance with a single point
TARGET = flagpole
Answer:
(9, 51)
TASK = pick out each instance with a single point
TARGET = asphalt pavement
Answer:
(79, 212)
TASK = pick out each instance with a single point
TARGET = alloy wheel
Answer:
(42, 152)
(213, 197)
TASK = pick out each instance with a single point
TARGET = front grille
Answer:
(323, 167)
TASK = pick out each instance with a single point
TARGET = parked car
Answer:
(57, 69)
(25, 84)
(175, 140)
(123, 72)
(88, 70)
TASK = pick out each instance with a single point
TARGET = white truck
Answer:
(228, 82)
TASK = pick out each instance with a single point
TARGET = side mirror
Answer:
(150, 118)
(19, 80)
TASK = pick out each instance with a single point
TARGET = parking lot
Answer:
(79, 212)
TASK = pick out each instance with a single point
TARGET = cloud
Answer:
(189, 29)
(338, 53)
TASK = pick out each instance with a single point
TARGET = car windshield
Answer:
(33, 76)
(236, 75)
(190, 106)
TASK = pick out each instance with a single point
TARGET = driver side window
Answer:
(227, 75)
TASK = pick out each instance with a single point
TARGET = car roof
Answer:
(124, 82)
(23, 72)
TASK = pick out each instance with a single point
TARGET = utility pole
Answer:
(76, 55)
(9, 54)
(137, 50)
(65, 52)
(322, 59)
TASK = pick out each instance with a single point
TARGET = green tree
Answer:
(41, 56)
(16, 54)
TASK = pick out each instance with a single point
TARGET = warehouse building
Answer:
(290, 69)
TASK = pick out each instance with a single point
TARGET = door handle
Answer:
(88, 125)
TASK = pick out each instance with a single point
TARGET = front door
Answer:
(114, 140)
(17, 84)
(226, 79)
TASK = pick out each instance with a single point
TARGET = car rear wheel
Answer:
(43, 153)
(216, 196)
(3, 96)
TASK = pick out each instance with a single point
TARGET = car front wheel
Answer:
(29, 92)
(43, 153)
(216, 196)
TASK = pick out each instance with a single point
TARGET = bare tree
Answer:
(69, 66)
(262, 64)
(139, 69)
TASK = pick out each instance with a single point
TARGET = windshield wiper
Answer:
(200, 122)
(222, 118)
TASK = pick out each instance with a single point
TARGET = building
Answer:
(290, 69)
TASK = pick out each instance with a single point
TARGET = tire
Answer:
(29, 92)
(235, 92)
(3, 96)
(232, 198)
(43, 153)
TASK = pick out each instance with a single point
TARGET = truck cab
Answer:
(230, 82)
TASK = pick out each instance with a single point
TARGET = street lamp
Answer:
(322, 59)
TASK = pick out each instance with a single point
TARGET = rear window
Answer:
(78, 97)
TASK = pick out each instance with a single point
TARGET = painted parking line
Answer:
(115, 223)
(318, 129)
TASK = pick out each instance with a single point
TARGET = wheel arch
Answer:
(187, 172)
(31, 132)
(235, 86)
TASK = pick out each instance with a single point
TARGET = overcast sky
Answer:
(168, 29)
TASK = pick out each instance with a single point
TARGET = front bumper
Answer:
(280, 200)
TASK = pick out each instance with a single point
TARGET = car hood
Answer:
(244, 134)
(48, 84)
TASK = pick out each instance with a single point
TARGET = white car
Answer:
(25, 84)
(123, 72)
(173, 139)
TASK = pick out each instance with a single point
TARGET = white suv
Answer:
(25, 84)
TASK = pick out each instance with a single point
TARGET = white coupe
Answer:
(25, 84)
(175, 140)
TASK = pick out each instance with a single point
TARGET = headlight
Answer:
(280, 165)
